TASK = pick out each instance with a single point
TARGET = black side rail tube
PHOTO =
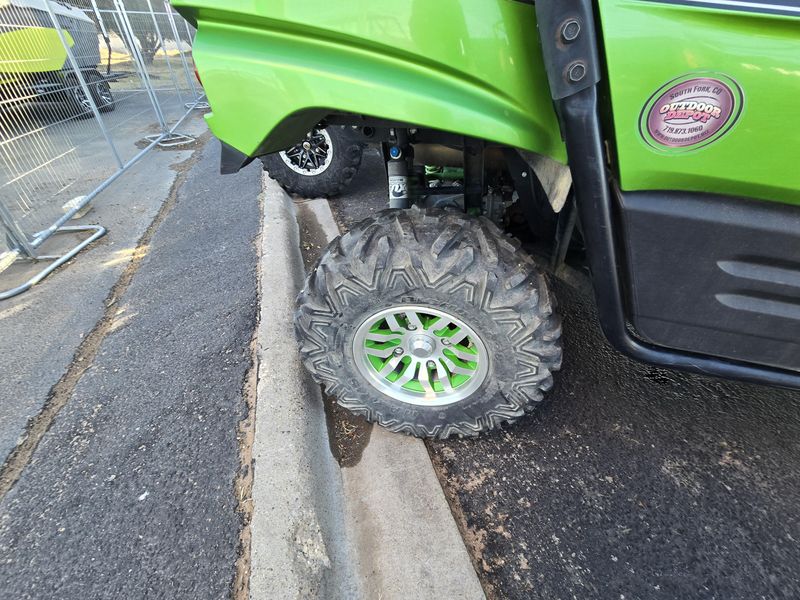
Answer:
(580, 122)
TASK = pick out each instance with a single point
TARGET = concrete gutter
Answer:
(379, 529)
(407, 543)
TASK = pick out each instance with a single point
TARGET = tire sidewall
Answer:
(345, 161)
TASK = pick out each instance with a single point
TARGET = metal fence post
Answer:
(102, 24)
(82, 82)
(168, 136)
(127, 28)
(16, 235)
(164, 48)
(191, 35)
(186, 70)
(53, 161)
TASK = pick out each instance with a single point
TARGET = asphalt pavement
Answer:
(629, 482)
(42, 330)
(130, 493)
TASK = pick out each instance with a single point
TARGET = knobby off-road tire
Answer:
(310, 181)
(448, 264)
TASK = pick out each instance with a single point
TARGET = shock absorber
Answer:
(399, 156)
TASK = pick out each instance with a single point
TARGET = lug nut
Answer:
(412, 327)
(398, 351)
(570, 30)
(446, 341)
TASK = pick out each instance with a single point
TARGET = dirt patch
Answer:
(474, 539)
(348, 434)
(312, 239)
(245, 434)
(173, 142)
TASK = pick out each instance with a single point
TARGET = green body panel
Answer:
(648, 44)
(272, 68)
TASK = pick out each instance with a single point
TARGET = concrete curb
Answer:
(380, 529)
(299, 546)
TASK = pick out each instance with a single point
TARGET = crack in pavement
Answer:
(243, 483)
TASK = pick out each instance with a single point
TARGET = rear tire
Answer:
(336, 163)
(445, 265)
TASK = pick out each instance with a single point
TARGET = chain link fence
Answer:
(80, 81)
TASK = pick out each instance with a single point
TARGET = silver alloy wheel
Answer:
(312, 156)
(420, 355)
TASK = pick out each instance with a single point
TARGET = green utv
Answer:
(655, 142)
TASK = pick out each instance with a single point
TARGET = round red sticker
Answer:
(690, 112)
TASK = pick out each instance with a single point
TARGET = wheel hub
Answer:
(420, 355)
(312, 156)
(422, 346)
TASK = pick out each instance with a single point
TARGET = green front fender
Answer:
(273, 68)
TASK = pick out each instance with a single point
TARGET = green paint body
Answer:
(648, 44)
(273, 68)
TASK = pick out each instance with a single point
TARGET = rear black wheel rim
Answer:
(312, 156)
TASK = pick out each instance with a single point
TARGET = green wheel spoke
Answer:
(454, 368)
(414, 320)
(444, 377)
(393, 323)
(425, 378)
(463, 354)
(376, 336)
(389, 366)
